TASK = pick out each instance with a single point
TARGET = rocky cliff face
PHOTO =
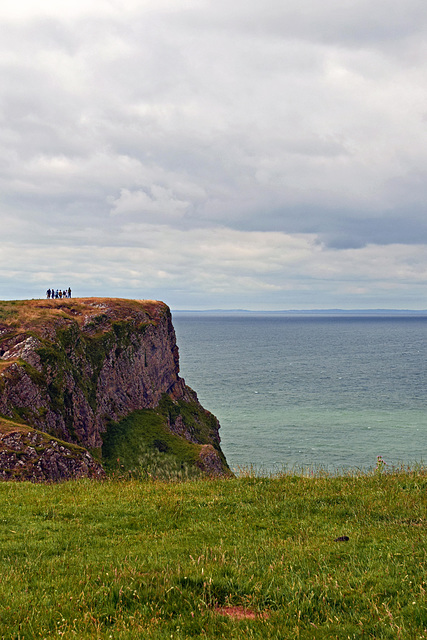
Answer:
(72, 368)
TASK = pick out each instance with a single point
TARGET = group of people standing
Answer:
(58, 293)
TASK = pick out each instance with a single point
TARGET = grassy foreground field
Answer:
(148, 559)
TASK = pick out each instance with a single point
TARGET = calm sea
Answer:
(310, 390)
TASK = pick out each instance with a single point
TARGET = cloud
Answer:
(228, 268)
(126, 125)
(343, 22)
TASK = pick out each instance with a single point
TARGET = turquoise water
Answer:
(299, 391)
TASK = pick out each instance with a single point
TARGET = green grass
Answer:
(143, 559)
(142, 444)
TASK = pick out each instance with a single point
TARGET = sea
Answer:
(310, 392)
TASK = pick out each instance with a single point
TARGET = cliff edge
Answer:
(100, 378)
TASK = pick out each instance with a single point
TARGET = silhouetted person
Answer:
(48, 294)
(69, 292)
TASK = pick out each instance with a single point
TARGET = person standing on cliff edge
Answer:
(69, 292)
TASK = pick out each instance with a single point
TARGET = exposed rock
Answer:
(179, 428)
(70, 368)
(34, 456)
(209, 461)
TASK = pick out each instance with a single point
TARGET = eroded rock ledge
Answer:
(31, 455)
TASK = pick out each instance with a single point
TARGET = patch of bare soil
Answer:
(239, 613)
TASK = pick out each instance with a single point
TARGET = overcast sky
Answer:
(212, 154)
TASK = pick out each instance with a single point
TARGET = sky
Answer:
(215, 155)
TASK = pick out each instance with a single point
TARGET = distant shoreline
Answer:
(299, 312)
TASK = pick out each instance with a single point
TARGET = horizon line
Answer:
(302, 311)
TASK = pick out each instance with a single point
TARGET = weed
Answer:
(381, 465)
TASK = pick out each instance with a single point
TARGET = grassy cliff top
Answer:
(11, 426)
(28, 315)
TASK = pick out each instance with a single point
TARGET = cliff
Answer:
(102, 375)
